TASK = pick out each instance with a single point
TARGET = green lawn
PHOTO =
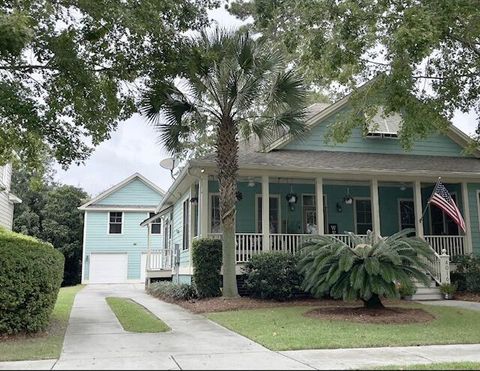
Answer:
(46, 345)
(286, 329)
(134, 317)
(437, 366)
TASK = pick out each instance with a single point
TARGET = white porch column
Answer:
(375, 207)
(319, 205)
(265, 213)
(149, 249)
(466, 216)
(203, 206)
(417, 192)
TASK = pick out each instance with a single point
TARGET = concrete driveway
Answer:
(96, 340)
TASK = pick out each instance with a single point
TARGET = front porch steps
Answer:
(431, 292)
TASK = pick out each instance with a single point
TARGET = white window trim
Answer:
(399, 211)
(189, 239)
(325, 210)
(210, 206)
(161, 224)
(108, 223)
(355, 210)
(274, 195)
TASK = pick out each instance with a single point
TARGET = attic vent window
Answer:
(384, 127)
(382, 135)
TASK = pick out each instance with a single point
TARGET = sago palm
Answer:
(368, 270)
(235, 87)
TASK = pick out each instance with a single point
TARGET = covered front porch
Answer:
(276, 213)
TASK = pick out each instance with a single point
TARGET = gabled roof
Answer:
(319, 116)
(120, 185)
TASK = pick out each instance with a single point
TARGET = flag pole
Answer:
(428, 202)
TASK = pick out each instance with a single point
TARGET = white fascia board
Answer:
(124, 182)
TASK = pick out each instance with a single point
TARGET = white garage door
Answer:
(108, 268)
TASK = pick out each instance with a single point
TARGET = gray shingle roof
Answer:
(357, 162)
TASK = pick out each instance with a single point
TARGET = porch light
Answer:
(194, 200)
(239, 196)
(292, 199)
(348, 199)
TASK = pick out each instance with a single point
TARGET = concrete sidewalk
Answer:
(96, 340)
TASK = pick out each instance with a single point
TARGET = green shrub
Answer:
(369, 269)
(31, 272)
(173, 291)
(406, 290)
(467, 274)
(207, 264)
(273, 276)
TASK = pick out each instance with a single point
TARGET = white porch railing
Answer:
(290, 243)
(158, 260)
(247, 244)
(453, 245)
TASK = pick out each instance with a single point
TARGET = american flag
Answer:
(444, 201)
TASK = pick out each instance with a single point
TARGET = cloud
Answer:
(132, 148)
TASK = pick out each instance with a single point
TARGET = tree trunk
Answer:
(373, 303)
(227, 163)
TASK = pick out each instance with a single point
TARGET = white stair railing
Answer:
(159, 260)
(439, 267)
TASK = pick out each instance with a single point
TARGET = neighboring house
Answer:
(115, 246)
(293, 188)
(7, 199)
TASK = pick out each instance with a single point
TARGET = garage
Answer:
(108, 268)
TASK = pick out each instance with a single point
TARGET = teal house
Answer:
(115, 247)
(292, 189)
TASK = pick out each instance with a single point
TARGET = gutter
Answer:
(173, 187)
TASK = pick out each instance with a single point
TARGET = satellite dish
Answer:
(168, 163)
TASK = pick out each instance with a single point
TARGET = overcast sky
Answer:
(134, 147)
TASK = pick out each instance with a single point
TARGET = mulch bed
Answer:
(222, 304)
(393, 315)
(467, 296)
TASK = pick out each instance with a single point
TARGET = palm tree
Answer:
(371, 269)
(238, 87)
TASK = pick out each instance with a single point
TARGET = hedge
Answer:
(273, 276)
(172, 291)
(467, 274)
(31, 272)
(207, 265)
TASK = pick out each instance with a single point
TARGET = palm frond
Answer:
(371, 267)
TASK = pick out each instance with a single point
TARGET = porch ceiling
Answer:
(350, 162)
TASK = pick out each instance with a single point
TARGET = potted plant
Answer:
(448, 290)
(406, 292)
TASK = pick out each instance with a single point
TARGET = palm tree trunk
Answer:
(227, 163)
(373, 303)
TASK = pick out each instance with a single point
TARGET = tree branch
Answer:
(31, 67)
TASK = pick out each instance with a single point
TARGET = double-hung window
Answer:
(363, 216)
(115, 222)
(156, 226)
